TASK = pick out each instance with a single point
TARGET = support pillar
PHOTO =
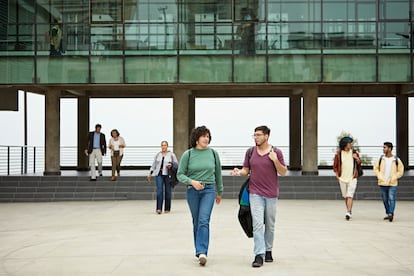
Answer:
(183, 119)
(402, 128)
(310, 131)
(52, 133)
(83, 129)
(295, 137)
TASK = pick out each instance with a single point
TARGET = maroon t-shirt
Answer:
(263, 176)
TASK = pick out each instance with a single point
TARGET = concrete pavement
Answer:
(128, 238)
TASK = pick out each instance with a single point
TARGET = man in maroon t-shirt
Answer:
(263, 164)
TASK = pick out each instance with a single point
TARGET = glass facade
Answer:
(205, 41)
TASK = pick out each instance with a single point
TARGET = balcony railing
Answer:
(18, 160)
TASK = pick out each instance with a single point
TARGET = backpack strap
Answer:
(380, 159)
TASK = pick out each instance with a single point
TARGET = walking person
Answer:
(200, 170)
(163, 162)
(95, 149)
(116, 145)
(388, 169)
(263, 163)
(345, 165)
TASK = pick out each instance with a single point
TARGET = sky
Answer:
(146, 122)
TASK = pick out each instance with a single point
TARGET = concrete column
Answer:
(83, 129)
(183, 119)
(310, 131)
(52, 133)
(402, 128)
(295, 136)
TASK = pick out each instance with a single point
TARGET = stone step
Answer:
(69, 188)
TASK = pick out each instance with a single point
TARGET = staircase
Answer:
(78, 188)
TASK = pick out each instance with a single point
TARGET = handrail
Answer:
(12, 157)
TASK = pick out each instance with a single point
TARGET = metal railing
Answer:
(18, 160)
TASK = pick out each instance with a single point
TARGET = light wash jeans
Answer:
(201, 205)
(163, 184)
(264, 216)
(388, 198)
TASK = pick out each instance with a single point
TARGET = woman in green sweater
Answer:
(200, 170)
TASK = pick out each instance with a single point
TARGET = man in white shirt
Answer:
(388, 169)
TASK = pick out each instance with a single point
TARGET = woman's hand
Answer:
(149, 178)
(218, 199)
(198, 185)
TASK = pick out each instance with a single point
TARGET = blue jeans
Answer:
(201, 204)
(388, 198)
(163, 184)
(264, 216)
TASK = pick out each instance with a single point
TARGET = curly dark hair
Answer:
(197, 133)
(116, 131)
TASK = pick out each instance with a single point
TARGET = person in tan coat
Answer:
(388, 169)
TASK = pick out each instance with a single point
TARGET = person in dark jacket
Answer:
(95, 149)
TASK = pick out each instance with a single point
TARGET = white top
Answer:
(388, 167)
(115, 145)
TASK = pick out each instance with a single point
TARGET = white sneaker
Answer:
(348, 215)
(202, 259)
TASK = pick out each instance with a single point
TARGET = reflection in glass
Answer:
(106, 70)
(394, 68)
(294, 68)
(349, 68)
(394, 35)
(157, 69)
(63, 69)
(205, 69)
(250, 69)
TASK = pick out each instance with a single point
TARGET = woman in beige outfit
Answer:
(116, 145)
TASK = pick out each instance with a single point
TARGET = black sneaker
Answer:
(268, 257)
(391, 218)
(258, 261)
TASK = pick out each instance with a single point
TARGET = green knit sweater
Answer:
(202, 165)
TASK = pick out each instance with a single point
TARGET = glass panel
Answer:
(295, 68)
(210, 11)
(106, 11)
(205, 69)
(16, 70)
(19, 38)
(394, 68)
(250, 69)
(207, 37)
(338, 10)
(296, 11)
(349, 34)
(248, 10)
(106, 39)
(106, 70)
(394, 9)
(350, 68)
(300, 35)
(394, 35)
(151, 69)
(63, 70)
(147, 11)
(366, 10)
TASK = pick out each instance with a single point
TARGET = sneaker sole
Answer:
(202, 260)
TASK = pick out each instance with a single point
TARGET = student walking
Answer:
(200, 170)
(388, 168)
(345, 168)
(263, 162)
(163, 162)
(116, 145)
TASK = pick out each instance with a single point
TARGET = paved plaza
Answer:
(128, 238)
